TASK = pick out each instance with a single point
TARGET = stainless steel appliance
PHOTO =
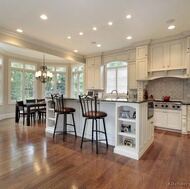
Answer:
(150, 109)
(172, 105)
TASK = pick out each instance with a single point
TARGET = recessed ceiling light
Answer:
(19, 30)
(128, 16)
(129, 37)
(110, 23)
(171, 27)
(98, 45)
(75, 50)
(69, 37)
(43, 17)
(80, 33)
(94, 28)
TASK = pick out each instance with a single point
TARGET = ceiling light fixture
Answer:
(80, 33)
(75, 50)
(19, 30)
(129, 37)
(43, 75)
(98, 45)
(69, 37)
(171, 27)
(94, 28)
(128, 16)
(43, 17)
(110, 23)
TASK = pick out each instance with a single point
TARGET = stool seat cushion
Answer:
(93, 114)
(65, 110)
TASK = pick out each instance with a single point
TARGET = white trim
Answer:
(2, 79)
(5, 116)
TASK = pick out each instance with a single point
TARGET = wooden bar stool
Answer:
(90, 112)
(59, 108)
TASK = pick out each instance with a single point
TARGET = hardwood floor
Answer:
(30, 159)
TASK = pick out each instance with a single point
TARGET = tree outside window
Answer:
(58, 82)
(22, 81)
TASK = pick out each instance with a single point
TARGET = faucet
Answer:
(115, 92)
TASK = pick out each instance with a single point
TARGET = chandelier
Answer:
(43, 75)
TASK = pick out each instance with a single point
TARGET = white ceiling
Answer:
(69, 17)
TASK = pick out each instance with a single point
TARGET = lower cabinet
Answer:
(169, 119)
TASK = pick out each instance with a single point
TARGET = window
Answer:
(58, 82)
(77, 81)
(1, 80)
(116, 77)
(22, 81)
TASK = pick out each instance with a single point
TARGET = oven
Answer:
(150, 109)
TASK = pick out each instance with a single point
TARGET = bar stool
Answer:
(59, 108)
(90, 112)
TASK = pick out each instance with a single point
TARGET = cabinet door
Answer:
(141, 69)
(90, 62)
(141, 52)
(188, 45)
(132, 83)
(131, 55)
(120, 57)
(187, 59)
(157, 57)
(175, 55)
(97, 78)
(90, 78)
(173, 119)
(160, 118)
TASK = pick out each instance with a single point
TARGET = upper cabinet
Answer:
(132, 83)
(188, 45)
(141, 62)
(94, 73)
(142, 52)
(125, 57)
(167, 56)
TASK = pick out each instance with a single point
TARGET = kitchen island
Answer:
(127, 125)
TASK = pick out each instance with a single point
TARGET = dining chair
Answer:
(89, 107)
(60, 109)
(34, 109)
(22, 111)
(41, 110)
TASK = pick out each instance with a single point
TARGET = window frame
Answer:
(23, 74)
(78, 72)
(115, 67)
(55, 76)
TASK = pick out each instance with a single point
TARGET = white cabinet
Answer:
(169, 119)
(188, 45)
(187, 59)
(91, 62)
(141, 69)
(167, 56)
(94, 73)
(188, 118)
(132, 83)
(142, 52)
(131, 55)
(133, 132)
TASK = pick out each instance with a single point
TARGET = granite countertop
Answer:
(110, 100)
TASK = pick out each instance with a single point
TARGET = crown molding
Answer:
(33, 44)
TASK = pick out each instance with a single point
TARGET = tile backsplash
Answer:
(177, 89)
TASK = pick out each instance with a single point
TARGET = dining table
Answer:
(28, 107)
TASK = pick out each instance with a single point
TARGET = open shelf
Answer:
(132, 135)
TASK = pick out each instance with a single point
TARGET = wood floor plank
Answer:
(31, 159)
